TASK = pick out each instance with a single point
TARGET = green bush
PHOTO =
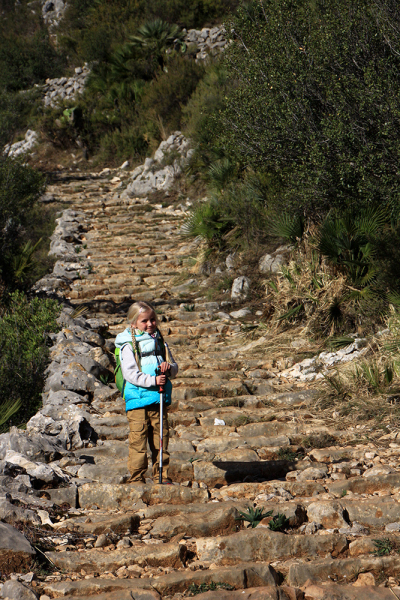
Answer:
(16, 110)
(122, 144)
(163, 98)
(25, 61)
(199, 116)
(20, 187)
(23, 355)
(314, 100)
(92, 29)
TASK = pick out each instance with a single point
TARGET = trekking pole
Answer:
(158, 372)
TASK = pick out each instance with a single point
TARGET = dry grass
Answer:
(365, 395)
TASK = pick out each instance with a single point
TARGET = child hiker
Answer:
(142, 351)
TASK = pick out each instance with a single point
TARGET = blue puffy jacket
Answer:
(150, 358)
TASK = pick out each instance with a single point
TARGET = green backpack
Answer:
(119, 380)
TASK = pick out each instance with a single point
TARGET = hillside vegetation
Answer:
(294, 128)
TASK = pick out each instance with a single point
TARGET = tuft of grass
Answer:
(106, 379)
(194, 590)
(320, 440)
(384, 546)
(289, 455)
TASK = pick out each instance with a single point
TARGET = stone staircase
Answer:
(237, 443)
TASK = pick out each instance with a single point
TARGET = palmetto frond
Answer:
(288, 226)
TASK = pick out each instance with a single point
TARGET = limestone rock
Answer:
(265, 545)
(14, 590)
(328, 514)
(94, 560)
(240, 288)
(16, 553)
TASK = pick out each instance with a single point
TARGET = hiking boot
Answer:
(138, 480)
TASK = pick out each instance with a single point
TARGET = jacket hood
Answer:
(123, 338)
(126, 336)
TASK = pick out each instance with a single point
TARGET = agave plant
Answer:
(253, 515)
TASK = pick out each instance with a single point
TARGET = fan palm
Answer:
(154, 37)
(349, 241)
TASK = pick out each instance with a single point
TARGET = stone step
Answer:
(108, 496)
(170, 554)
(246, 575)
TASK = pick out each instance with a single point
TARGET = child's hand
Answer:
(165, 367)
(161, 379)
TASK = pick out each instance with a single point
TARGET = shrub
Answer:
(24, 325)
(164, 97)
(20, 186)
(16, 110)
(91, 29)
(25, 61)
(307, 100)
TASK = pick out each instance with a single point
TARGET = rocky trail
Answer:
(238, 431)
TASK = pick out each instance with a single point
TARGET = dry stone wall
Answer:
(205, 42)
(65, 88)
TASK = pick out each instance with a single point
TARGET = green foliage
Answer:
(319, 440)
(25, 61)
(289, 455)
(349, 241)
(23, 263)
(376, 376)
(306, 100)
(384, 546)
(279, 522)
(208, 221)
(20, 186)
(253, 515)
(91, 29)
(129, 106)
(16, 110)
(106, 379)
(24, 325)
(288, 226)
(189, 307)
(153, 38)
(207, 101)
(163, 98)
(339, 342)
(236, 215)
(194, 589)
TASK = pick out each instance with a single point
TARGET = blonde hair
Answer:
(133, 314)
(137, 308)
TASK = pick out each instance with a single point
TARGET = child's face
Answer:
(146, 322)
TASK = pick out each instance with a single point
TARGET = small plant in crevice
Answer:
(253, 515)
(189, 307)
(194, 590)
(288, 454)
(321, 440)
(279, 522)
(106, 379)
(383, 546)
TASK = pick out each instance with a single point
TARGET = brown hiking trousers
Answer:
(144, 426)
